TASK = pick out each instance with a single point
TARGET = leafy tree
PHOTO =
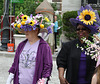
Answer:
(28, 7)
(1, 10)
(1, 7)
(54, 5)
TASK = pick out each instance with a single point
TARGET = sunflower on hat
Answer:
(87, 17)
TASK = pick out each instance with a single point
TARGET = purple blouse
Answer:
(82, 69)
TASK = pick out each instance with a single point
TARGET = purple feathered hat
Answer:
(87, 17)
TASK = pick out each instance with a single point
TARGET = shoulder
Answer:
(70, 43)
(43, 43)
(94, 77)
(22, 43)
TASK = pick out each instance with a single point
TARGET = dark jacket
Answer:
(43, 62)
(69, 58)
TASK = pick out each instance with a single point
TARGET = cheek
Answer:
(86, 34)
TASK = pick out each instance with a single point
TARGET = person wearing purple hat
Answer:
(78, 65)
(33, 60)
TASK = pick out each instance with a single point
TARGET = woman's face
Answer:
(82, 31)
(30, 33)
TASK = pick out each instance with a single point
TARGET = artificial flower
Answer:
(91, 48)
(23, 22)
(19, 25)
(15, 24)
(41, 26)
(46, 19)
(88, 17)
(32, 23)
(24, 17)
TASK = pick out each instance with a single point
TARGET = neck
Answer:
(33, 39)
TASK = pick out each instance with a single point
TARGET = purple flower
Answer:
(29, 29)
(25, 29)
(49, 30)
(31, 15)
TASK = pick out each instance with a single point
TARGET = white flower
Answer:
(87, 53)
(38, 16)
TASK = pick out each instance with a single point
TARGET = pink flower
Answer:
(21, 15)
(17, 17)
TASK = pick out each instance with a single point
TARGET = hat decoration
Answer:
(29, 23)
(87, 17)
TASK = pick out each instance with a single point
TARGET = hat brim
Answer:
(44, 30)
(74, 22)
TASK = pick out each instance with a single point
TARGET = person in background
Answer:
(33, 60)
(72, 59)
(96, 76)
(55, 30)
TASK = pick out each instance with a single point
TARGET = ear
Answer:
(37, 30)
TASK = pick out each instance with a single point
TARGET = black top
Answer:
(69, 59)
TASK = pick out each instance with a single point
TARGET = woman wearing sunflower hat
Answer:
(78, 65)
(33, 61)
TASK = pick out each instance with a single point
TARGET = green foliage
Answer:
(28, 7)
(59, 19)
(54, 5)
(1, 9)
(67, 26)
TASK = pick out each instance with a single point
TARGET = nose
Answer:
(80, 30)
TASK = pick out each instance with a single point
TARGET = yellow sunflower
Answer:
(32, 23)
(24, 17)
(87, 17)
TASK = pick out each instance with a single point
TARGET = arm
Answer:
(47, 62)
(94, 79)
(12, 70)
(62, 62)
(16, 58)
(61, 76)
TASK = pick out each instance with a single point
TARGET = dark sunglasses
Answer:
(83, 29)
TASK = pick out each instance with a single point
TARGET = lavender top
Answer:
(27, 62)
(82, 69)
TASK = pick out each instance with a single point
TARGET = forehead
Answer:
(81, 26)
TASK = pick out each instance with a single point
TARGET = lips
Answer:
(81, 34)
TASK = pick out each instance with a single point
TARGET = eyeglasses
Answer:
(83, 29)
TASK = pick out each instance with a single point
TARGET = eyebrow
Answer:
(83, 27)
